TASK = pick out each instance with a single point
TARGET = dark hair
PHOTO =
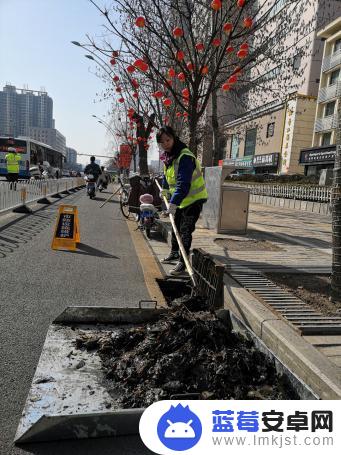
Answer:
(92, 159)
(168, 130)
(178, 144)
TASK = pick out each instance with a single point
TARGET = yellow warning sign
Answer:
(66, 234)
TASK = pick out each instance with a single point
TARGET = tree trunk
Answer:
(336, 215)
(193, 142)
(143, 162)
(215, 130)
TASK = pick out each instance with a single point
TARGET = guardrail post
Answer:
(57, 195)
(44, 199)
(22, 208)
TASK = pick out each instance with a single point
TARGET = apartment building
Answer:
(279, 122)
(321, 154)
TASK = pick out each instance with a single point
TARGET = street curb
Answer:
(303, 359)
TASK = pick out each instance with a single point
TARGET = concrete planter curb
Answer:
(293, 350)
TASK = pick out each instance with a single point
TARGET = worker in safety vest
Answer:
(184, 185)
(12, 161)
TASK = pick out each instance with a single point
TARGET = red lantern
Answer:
(200, 47)
(226, 86)
(204, 70)
(171, 72)
(241, 3)
(115, 53)
(227, 27)
(168, 83)
(185, 114)
(190, 66)
(112, 61)
(116, 78)
(140, 139)
(216, 42)
(121, 100)
(131, 111)
(248, 22)
(244, 46)
(130, 69)
(119, 90)
(229, 49)
(135, 95)
(185, 93)
(178, 114)
(158, 94)
(178, 32)
(232, 79)
(180, 55)
(134, 83)
(242, 53)
(141, 65)
(167, 102)
(216, 5)
(140, 22)
(181, 77)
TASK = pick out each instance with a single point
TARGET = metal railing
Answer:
(330, 92)
(305, 193)
(331, 61)
(26, 191)
(326, 123)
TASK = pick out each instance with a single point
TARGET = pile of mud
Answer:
(184, 353)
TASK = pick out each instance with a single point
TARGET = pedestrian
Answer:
(184, 184)
(12, 162)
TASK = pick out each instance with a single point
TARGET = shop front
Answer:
(316, 159)
(266, 164)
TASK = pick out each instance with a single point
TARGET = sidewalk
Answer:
(278, 240)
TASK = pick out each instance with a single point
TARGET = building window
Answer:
(234, 146)
(329, 109)
(337, 45)
(270, 129)
(326, 139)
(250, 142)
(334, 77)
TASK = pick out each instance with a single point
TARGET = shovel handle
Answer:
(178, 238)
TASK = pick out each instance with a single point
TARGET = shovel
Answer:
(178, 238)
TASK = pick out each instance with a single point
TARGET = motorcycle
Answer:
(148, 213)
(90, 186)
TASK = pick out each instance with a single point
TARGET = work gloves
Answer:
(172, 209)
(164, 193)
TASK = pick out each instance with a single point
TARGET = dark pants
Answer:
(185, 220)
(12, 178)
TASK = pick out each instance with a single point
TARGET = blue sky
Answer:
(35, 50)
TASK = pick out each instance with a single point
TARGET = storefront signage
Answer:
(244, 162)
(270, 159)
(319, 155)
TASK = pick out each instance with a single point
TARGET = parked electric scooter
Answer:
(148, 213)
(90, 186)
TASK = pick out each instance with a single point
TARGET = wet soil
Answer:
(184, 353)
(247, 245)
(312, 289)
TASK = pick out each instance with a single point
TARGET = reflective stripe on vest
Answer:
(12, 161)
(197, 189)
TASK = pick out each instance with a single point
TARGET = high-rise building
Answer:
(21, 109)
(71, 155)
(49, 136)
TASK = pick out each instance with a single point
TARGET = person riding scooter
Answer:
(92, 171)
(103, 180)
